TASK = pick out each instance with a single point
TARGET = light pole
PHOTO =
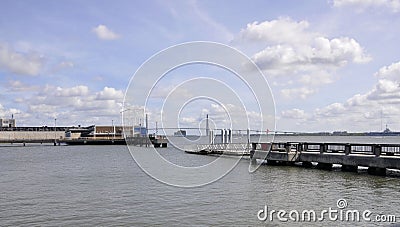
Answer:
(55, 131)
(112, 123)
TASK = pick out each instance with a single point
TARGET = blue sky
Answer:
(332, 65)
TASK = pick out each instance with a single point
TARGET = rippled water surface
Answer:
(102, 185)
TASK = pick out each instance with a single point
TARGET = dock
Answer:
(376, 157)
(156, 141)
(28, 141)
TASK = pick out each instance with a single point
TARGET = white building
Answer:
(7, 123)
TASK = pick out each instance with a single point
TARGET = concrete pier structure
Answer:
(377, 157)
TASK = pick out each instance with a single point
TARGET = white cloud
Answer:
(318, 54)
(7, 112)
(360, 5)
(293, 52)
(295, 93)
(70, 105)
(105, 33)
(76, 91)
(362, 112)
(162, 92)
(109, 93)
(294, 114)
(20, 63)
(18, 86)
(318, 78)
(333, 109)
(282, 30)
(188, 120)
(390, 72)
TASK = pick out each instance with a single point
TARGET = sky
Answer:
(331, 65)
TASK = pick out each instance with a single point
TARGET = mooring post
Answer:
(377, 171)
(349, 168)
(287, 147)
(377, 149)
(254, 146)
(207, 126)
(147, 131)
(211, 137)
(347, 149)
(322, 148)
(252, 151)
(300, 147)
(248, 136)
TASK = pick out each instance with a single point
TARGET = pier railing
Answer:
(242, 148)
(344, 148)
(377, 157)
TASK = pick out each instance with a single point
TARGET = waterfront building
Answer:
(7, 123)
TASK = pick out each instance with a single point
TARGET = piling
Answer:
(377, 171)
(349, 168)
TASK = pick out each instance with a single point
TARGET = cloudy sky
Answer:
(331, 65)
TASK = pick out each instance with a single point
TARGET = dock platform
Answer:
(377, 157)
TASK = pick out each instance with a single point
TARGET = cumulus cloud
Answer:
(8, 112)
(282, 30)
(362, 112)
(333, 109)
(79, 90)
(71, 105)
(105, 33)
(291, 45)
(293, 52)
(18, 86)
(390, 72)
(393, 5)
(317, 78)
(109, 93)
(294, 93)
(294, 114)
(20, 63)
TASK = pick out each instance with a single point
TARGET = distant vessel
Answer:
(180, 133)
(386, 132)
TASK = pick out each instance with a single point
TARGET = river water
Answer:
(102, 185)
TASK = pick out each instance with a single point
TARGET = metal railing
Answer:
(224, 146)
(345, 148)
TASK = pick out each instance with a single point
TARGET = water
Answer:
(102, 185)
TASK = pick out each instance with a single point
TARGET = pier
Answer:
(376, 157)
(30, 141)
